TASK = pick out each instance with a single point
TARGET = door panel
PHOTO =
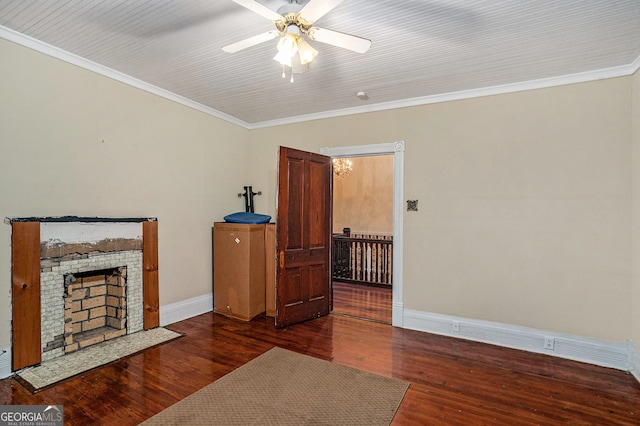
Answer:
(303, 228)
(295, 188)
(317, 206)
(291, 280)
(316, 282)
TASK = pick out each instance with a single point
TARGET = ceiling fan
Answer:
(292, 27)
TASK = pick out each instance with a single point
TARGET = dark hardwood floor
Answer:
(453, 381)
(362, 301)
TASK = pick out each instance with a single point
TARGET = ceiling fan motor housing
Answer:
(292, 19)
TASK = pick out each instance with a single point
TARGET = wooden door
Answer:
(303, 234)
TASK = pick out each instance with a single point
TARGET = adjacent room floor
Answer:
(362, 301)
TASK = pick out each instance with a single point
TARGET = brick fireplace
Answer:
(77, 282)
(87, 299)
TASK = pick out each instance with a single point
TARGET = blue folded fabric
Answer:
(244, 217)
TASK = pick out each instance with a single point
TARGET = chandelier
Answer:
(341, 167)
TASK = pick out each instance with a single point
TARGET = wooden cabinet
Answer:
(239, 269)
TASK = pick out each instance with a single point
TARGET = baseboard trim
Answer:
(397, 315)
(592, 351)
(185, 309)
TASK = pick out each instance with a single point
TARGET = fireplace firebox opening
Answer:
(95, 307)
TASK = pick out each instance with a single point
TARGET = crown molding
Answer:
(47, 49)
(583, 77)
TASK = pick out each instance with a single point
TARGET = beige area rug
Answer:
(64, 367)
(281, 387)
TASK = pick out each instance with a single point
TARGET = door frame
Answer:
(397, 149)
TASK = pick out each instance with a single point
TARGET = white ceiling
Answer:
(422, 51)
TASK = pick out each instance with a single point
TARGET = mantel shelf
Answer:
(83, 219)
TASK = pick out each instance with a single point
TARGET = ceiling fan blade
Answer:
(259, 9)
(251, 41)
(335, 38)
(316, 9)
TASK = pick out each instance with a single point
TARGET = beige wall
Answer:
(363, 200)
(635, 116)
(525, 208)
(525, 198)
(76, 143)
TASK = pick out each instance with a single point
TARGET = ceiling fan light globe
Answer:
(288, 44)
(306, 52)
(287, 49)
(283, 57)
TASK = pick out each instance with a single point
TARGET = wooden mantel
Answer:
(25, 281)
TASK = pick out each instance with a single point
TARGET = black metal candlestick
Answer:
(248, 198)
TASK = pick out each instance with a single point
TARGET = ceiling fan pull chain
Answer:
(283, 74)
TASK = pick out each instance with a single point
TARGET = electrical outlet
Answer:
(549, 343)
(455, 327)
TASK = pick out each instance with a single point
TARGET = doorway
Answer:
(397, 150)
(362, 255)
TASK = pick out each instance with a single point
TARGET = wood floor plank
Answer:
(453, 381)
